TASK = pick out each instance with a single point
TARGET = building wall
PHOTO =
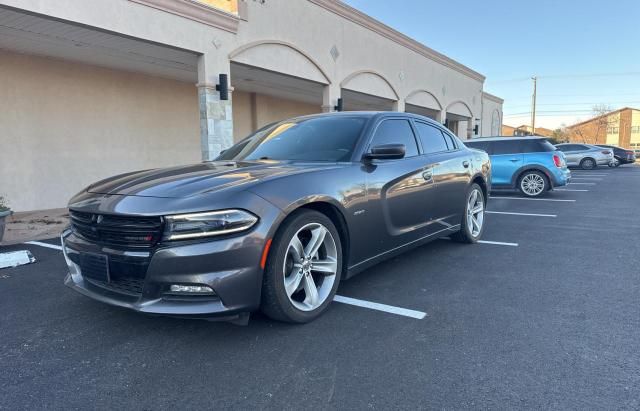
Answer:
(252, 111)
(634, 141)
(110, 121)
(491, 116)
(66, 125)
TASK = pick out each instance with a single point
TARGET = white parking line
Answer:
(533, 199)
(583, 184)
(418, 315)
(586, 173)
(522, 214)
(55, 247)
(587, 178)
(568, 189)
(498, 243)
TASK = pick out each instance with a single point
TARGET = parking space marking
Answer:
(522, 214)
(587, 178)
(568, 189)
(418, 315)
(38, 243)
(498, 243)
(534, 199)
(583, 184)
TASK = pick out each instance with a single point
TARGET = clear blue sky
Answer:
(584, 52)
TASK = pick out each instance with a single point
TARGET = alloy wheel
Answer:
(532, 184)
(588, 164)
(475, 212)
(310, 267)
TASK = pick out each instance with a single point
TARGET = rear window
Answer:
(478, 145)
(506, 147)
(537, 146)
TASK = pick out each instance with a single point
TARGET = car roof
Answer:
(505, 138)
(369, 114)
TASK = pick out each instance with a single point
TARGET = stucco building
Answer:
(619, 128)
(95, 88)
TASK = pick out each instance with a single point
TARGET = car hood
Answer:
(204, 178)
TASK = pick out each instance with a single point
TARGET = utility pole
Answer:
(533, 105)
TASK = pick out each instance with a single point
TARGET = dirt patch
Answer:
(35, 225)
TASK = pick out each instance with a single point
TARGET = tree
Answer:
(588, 131)
(561, 134)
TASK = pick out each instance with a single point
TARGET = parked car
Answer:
(620, 155)
(586, 156)
(531, 165)
(277, 220)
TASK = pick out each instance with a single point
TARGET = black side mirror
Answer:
(386, 152)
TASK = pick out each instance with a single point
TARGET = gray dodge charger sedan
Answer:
(277, 220)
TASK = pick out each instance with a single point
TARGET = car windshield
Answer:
(331, 139)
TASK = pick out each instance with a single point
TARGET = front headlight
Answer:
(198, 225)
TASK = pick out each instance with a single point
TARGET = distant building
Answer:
(619, 128)
(525, 131)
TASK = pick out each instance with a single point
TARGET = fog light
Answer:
(195, 289)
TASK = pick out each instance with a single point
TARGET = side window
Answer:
(507, 147)
(431, 138)
(451, 142)
(579, 147)
(396, 132)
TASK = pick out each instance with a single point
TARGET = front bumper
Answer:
(141, 280)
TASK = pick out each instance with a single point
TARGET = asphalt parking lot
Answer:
(548, 316)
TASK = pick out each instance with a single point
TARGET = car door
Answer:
(451, 171)
(506, 160)
(571, 153)
(398, 191)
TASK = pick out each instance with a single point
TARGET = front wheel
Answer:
(303, 268)
(472, 224)
(532, 184)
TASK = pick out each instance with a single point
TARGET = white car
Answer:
(586, 156)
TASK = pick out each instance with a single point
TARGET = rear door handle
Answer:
(465, 164)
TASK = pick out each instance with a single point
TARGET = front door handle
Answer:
(513, 160)
(465, 164)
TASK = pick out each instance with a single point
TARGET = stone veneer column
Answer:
(216, 121)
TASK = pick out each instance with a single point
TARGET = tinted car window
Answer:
(396, 132)
(314, 139)
(451, 142)
(479, 145)
(431, 138)
(536, 146)
(506, 147)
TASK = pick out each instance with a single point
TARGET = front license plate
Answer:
(95, 266)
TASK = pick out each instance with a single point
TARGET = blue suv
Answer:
(531, 165)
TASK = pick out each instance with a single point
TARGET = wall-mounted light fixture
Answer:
(339, 106)
(223, 86)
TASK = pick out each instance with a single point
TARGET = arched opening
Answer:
(367, 90)
(459, 119)
(272, 81)
(423, 103)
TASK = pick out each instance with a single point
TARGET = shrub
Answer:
(4, 206)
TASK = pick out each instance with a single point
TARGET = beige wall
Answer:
(252, 111)
(65, 125)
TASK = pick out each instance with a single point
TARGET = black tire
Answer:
(465, 234)
(275, 302)
(588, 164)
(537, 176)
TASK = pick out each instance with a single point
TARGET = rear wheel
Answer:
(303, 268)
(472, 224)
(588, 164)
(533, 183)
